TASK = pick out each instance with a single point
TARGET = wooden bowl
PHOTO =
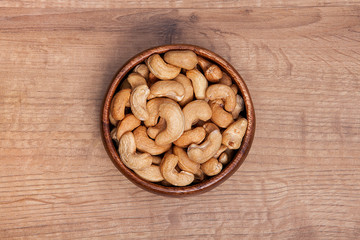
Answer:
(209, 183)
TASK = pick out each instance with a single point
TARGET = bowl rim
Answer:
(208, 184)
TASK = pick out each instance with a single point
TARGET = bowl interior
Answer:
(209, 183)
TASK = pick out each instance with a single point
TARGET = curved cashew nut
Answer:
(156, 160)
(205, 151)
(189, 91)
(224, 158)
(234, 88)
(220, 151)
(184, 59)
(118, 104)
(143, 70)
(138, 102)
(152, 132)
(167, 168)
(152, 79)
(211, 167)
(113, 135)
(152, 107)
(199, 83)
(234, 134)
(226, 80)
(129, 123)
(223, 92)
(209, 127)
(170, 89)
(195, 135)
(135, 79)
(238, 108)
(219, 116)
(127, 151)
(112, 120)
(161, 69)
(195, 111)
(145, 144)
(185, 163)
(152, 174)
(212, 72)
(174, 118)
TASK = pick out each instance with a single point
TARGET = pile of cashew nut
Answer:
(177, 119)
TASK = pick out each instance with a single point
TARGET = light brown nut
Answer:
(224, 158)
(189, 91)
(211, 167)
(223, 92)
(152, 174)
(135, 79)
(220, 151)
(238, 108)
(184, 58)
(234, 134)
(219, 116)
(156, 160)
(145, 144)
(199, 83)
(152, 132)
(129, 123)
(195, 111)
(211, 71)
(143, 70)
(234, 88)
(171, 89)
(209, 127)
(175, 122)
(113, 135)
(118, 104)
(129, 156)
(125, 85)
(167, 168)
(203, 152)
(112, 120)
(185, 163)
(199, 176)
(138, 102)
(226, 80)
(161, 69)
(195, 135)
(152, 79)
(152, 107)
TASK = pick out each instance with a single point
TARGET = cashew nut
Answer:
(226, 80)
(161, 69)
(152, 174)
(189, 91)
(138, 102)
(167, 168)
(238, 108)
(129, 156)
(113, 135)
(174, 118)
(220, 151)
(234, 88)
(135, 79)
(156, 160)
(152, 79)
(212, 72)
(223, 92)
(185, 163)
(112, 120)
(145, 144)
(118, 104)
(211, 167)
(203, 152)
(184, 59)
(199, 83)
(224, 158)
(195, 111)
(195, 135)
(152, 107)
(129, 123)
(219, 116)
(125, 85)
(171, 89)
(143, 70)
(234, 134)
(209, 127)
(154, 131)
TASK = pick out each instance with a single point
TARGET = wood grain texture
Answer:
(299, 181)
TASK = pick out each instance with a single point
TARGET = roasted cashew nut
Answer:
(203, 152)
(118, 104)
(152, 174)
(195, 135)
(152, 107)
(135, 79)
(171, 89)
(211, 167)
(199, 83)
(152, 132)
(112, 120)
(167, 168)
(234, 88)
(220, 151)
(143, 70)
(238, 108)
(185, 162)
(138, 102)
(145, 144)
(175, 122)
(224, 158)
(223, 92)
(226, 80)
(184, 59)
(209, 127)
(219, 116)
(195, 111)
(161, 69)
(129, 123)
(212, 72)
(129, 156)
(189, 91)
(234, 134)
(113, 136)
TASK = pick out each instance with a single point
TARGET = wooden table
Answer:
(300, 60)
